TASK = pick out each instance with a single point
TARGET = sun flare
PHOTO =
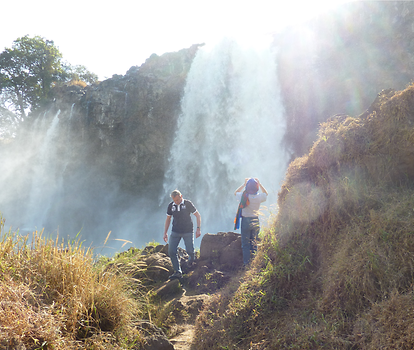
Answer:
(139, 30)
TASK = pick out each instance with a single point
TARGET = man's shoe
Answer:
(176, 274)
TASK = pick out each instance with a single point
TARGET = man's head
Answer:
(176, 196)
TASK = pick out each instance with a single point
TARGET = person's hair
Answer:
(252, 187)
(175, 193)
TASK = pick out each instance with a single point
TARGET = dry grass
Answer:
(52, 297)
(55, 295)
(78, 82)
(336, 267)
(388, 324)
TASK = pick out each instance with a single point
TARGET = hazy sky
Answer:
(108, 37)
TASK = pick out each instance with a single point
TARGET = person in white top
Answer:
(248, 211)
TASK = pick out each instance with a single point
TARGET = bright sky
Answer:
(108, 37)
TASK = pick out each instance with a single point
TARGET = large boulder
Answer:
(222, 250)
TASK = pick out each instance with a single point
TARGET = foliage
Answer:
(7, 124)
(27, 72)
(80, 73)
(30, 69)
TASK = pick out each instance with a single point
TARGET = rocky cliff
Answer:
(124, 126)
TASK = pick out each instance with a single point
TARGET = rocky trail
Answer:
(183, 340)
(183, 308)
(184, 299)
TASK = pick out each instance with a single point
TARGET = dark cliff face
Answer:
(124, 126)
(340, 61)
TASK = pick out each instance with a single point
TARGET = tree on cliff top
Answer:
(28, 71)
(80, 73)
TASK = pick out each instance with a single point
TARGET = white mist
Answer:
(231, 128)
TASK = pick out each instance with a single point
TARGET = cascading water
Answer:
(71, 111)
(231, 128)
(44, 179)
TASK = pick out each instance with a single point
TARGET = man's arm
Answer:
(198, 216)
(167, 225)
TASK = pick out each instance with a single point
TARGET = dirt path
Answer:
(183, 340)
(189, 304)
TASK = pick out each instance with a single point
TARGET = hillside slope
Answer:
(336, 268)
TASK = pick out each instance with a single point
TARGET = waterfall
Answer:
(230, 128)
(43, 184)
(126, 105)
(71, 111)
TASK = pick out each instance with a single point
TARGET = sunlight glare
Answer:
(250, 23)
(157, 26)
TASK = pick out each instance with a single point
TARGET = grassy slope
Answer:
(336, 267)
(52, 296)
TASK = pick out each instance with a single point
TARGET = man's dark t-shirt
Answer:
(182, 222)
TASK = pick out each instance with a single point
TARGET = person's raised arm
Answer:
(239, 189)
(198, 217)
(167, 225)
(261, 186)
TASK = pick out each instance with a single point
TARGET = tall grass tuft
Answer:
(53, 296)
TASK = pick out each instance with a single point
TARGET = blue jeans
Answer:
(173, 243)
(250, 229)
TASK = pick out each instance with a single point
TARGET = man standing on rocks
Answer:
(180, 209)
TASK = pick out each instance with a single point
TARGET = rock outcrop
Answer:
(220, 256)
(222, 250)
(124, 126)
